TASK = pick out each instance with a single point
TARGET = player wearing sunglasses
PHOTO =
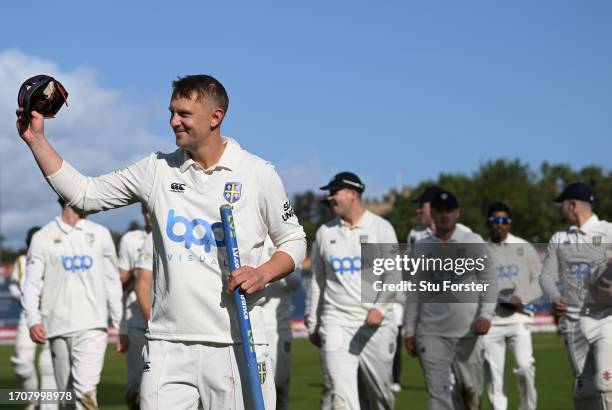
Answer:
(518, 268)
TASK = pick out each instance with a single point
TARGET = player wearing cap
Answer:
(518, 268)
(72, 285)
(277, 316)
(572, 272)
(194, 324)
(427, 226)
(25, 348)
(354, 336)
(130, 248)
(445, 336)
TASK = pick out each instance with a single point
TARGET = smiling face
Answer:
(341, 201)
(193, 121)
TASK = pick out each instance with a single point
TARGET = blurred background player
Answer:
(427, 226)
(277, 317)
(518, 269)
(25, 348)
(357, 339)
(72, 284)
(575, 259)
(130, 247)
(443, 335)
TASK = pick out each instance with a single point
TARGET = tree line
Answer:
(529, 193)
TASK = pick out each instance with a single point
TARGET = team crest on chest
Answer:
(90, 238)
(363, 238)
(597, 240)
(232, 191)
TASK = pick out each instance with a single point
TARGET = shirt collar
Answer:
(363, 222)
(587, 226)
(229, 159)
(64, 227)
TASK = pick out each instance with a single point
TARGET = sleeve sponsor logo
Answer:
(287, 211)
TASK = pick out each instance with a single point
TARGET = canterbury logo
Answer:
(176, 187)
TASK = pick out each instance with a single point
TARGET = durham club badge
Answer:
(232, 191)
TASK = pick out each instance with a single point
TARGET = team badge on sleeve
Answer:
(597, 240)
(232, 191)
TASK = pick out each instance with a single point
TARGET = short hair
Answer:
(62, 202)
(206, 88)
(31, 233)
(498, 207)
(584, 204)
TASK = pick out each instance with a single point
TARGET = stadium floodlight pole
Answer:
(246, 333)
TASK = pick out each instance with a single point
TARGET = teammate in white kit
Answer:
(445, 336)
(130, 248)
(194, 324)
(25, 348)
(572, 273)
(277, 316)
(355, 337)
(518, 269)
(71, 284)
(427, 227)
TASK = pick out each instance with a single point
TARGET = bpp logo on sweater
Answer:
(346, 265)
(76, 263)
(195, 232)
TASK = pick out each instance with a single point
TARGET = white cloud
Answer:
(98, 132)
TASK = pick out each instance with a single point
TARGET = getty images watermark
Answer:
(429, 272)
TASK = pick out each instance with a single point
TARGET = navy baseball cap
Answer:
(444, 199)
(345, 180)
(427, 195)
(578, 191)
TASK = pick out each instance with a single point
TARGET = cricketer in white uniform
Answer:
(356, 337)
(575, 259)
(445, 336)
(277, 316)
(518, 269)
(194, 324)
(130, 248)
(25, 348)
(426, 227)
(72, 285)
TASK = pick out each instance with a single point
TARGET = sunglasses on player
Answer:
(498, 220)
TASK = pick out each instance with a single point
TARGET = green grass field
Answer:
(552, 372)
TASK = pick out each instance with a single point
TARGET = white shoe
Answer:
(396, 387)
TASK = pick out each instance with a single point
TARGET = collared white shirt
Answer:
(190, 302)
(575, 256)
(335, 287)
(518, 268)
(130, 247)
(72, 273)
(444, 319)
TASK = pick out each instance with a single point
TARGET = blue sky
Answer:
(320, 87)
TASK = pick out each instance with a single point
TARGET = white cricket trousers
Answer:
(77, 363)
(368, 352)
(191, 375)
(443, 358)
(280, 359)
(588, 341)
(518, 338)
(23, 362)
